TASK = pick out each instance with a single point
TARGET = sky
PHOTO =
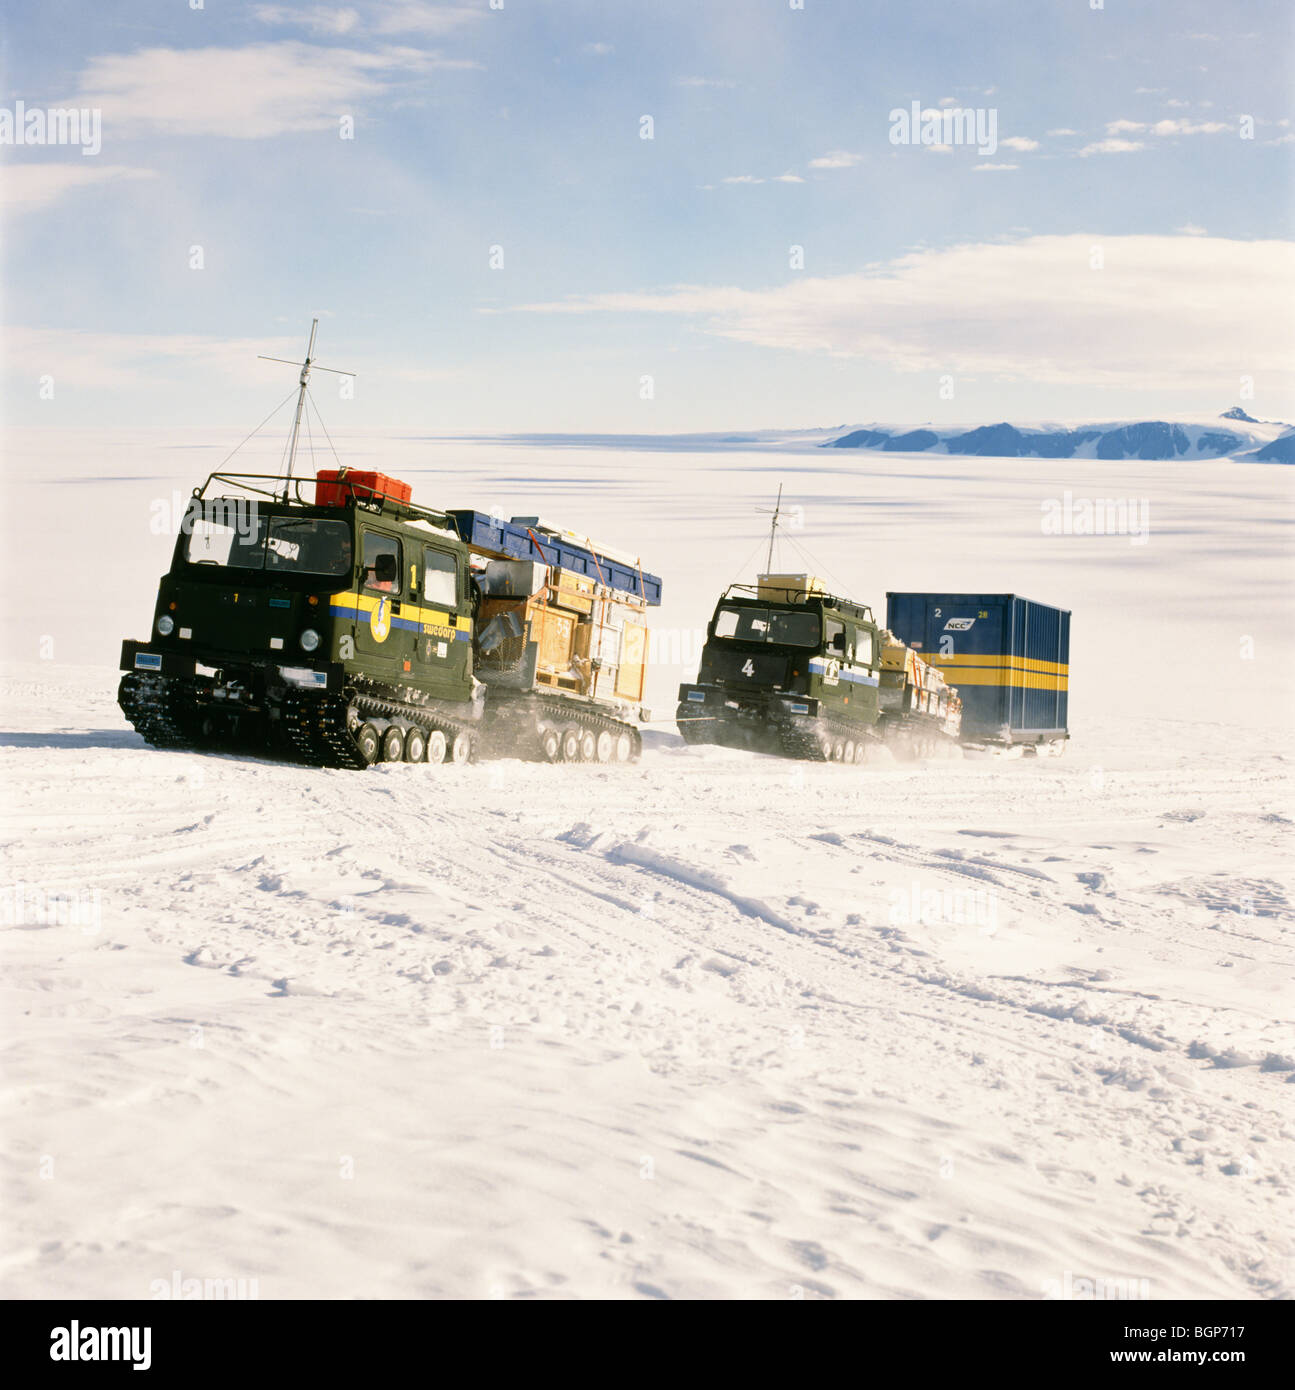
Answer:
(685, 215)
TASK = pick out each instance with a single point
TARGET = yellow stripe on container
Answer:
(1017, 680)
(1014, 663)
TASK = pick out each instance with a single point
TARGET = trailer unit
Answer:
(1008, 657)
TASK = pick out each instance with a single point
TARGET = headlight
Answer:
(166, 625)
(309, 640)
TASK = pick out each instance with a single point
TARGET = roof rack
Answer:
(848, 606)
(248, 483)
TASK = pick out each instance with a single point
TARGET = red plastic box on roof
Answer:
(334, 487)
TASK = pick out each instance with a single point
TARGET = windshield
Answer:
(785, 627)
(238, 536)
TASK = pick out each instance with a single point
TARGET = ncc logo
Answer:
(958, 624)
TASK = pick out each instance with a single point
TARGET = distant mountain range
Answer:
(1232, 434)
(1244, 438)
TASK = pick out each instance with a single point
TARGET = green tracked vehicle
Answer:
(356, 627)
(347, 625)
(791, 669)
(336, 635)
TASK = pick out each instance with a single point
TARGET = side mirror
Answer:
(384, 569)
(838, 642)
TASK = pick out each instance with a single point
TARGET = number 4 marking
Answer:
(748, 669)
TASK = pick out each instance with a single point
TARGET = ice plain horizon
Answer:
(716, 1025)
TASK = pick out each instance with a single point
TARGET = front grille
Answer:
(746, 670)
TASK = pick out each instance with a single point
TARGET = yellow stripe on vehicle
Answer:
(411, 612)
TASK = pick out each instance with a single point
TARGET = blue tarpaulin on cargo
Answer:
(515, 540)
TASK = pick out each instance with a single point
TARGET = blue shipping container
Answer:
(1008, 657)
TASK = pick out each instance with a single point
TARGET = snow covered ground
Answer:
(716, 1025)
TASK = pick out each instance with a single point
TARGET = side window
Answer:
(834, 636)
(381, 563)
(863, 646)
(440, 578)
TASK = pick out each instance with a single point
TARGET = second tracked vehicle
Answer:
(792, 669)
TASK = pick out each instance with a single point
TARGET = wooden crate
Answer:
(554, 631)
(632, 672)
(787, 588)
(573, 591)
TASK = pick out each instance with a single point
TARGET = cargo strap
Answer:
(544, 592)
(602, 618)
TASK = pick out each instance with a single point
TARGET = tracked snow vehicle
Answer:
(789, 668)
(356, 626)
(350, 625)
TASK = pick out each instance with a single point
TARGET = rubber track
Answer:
(798, 737)
(512, 724)
(153, 705)
(322, 729)
(315, 728)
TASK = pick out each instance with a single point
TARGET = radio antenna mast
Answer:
(301, 397)
(773, 527)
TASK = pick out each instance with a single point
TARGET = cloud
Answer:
(1020, 142)
(91, 360)
(418, 17)
(599, 50)
(1112, 147)
(835, 159)
(992, 168)
(1180, 126)
(316, 18)
(28, 187)
(245, 93)
(1030, 310)
(741, 178)
(393, 17)
(788, 178)
(704, 82)
(1191, 229)
(1063, 130)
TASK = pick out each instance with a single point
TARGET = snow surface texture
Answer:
(716, 1025)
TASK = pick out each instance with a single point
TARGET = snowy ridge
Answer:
(1186, 437)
